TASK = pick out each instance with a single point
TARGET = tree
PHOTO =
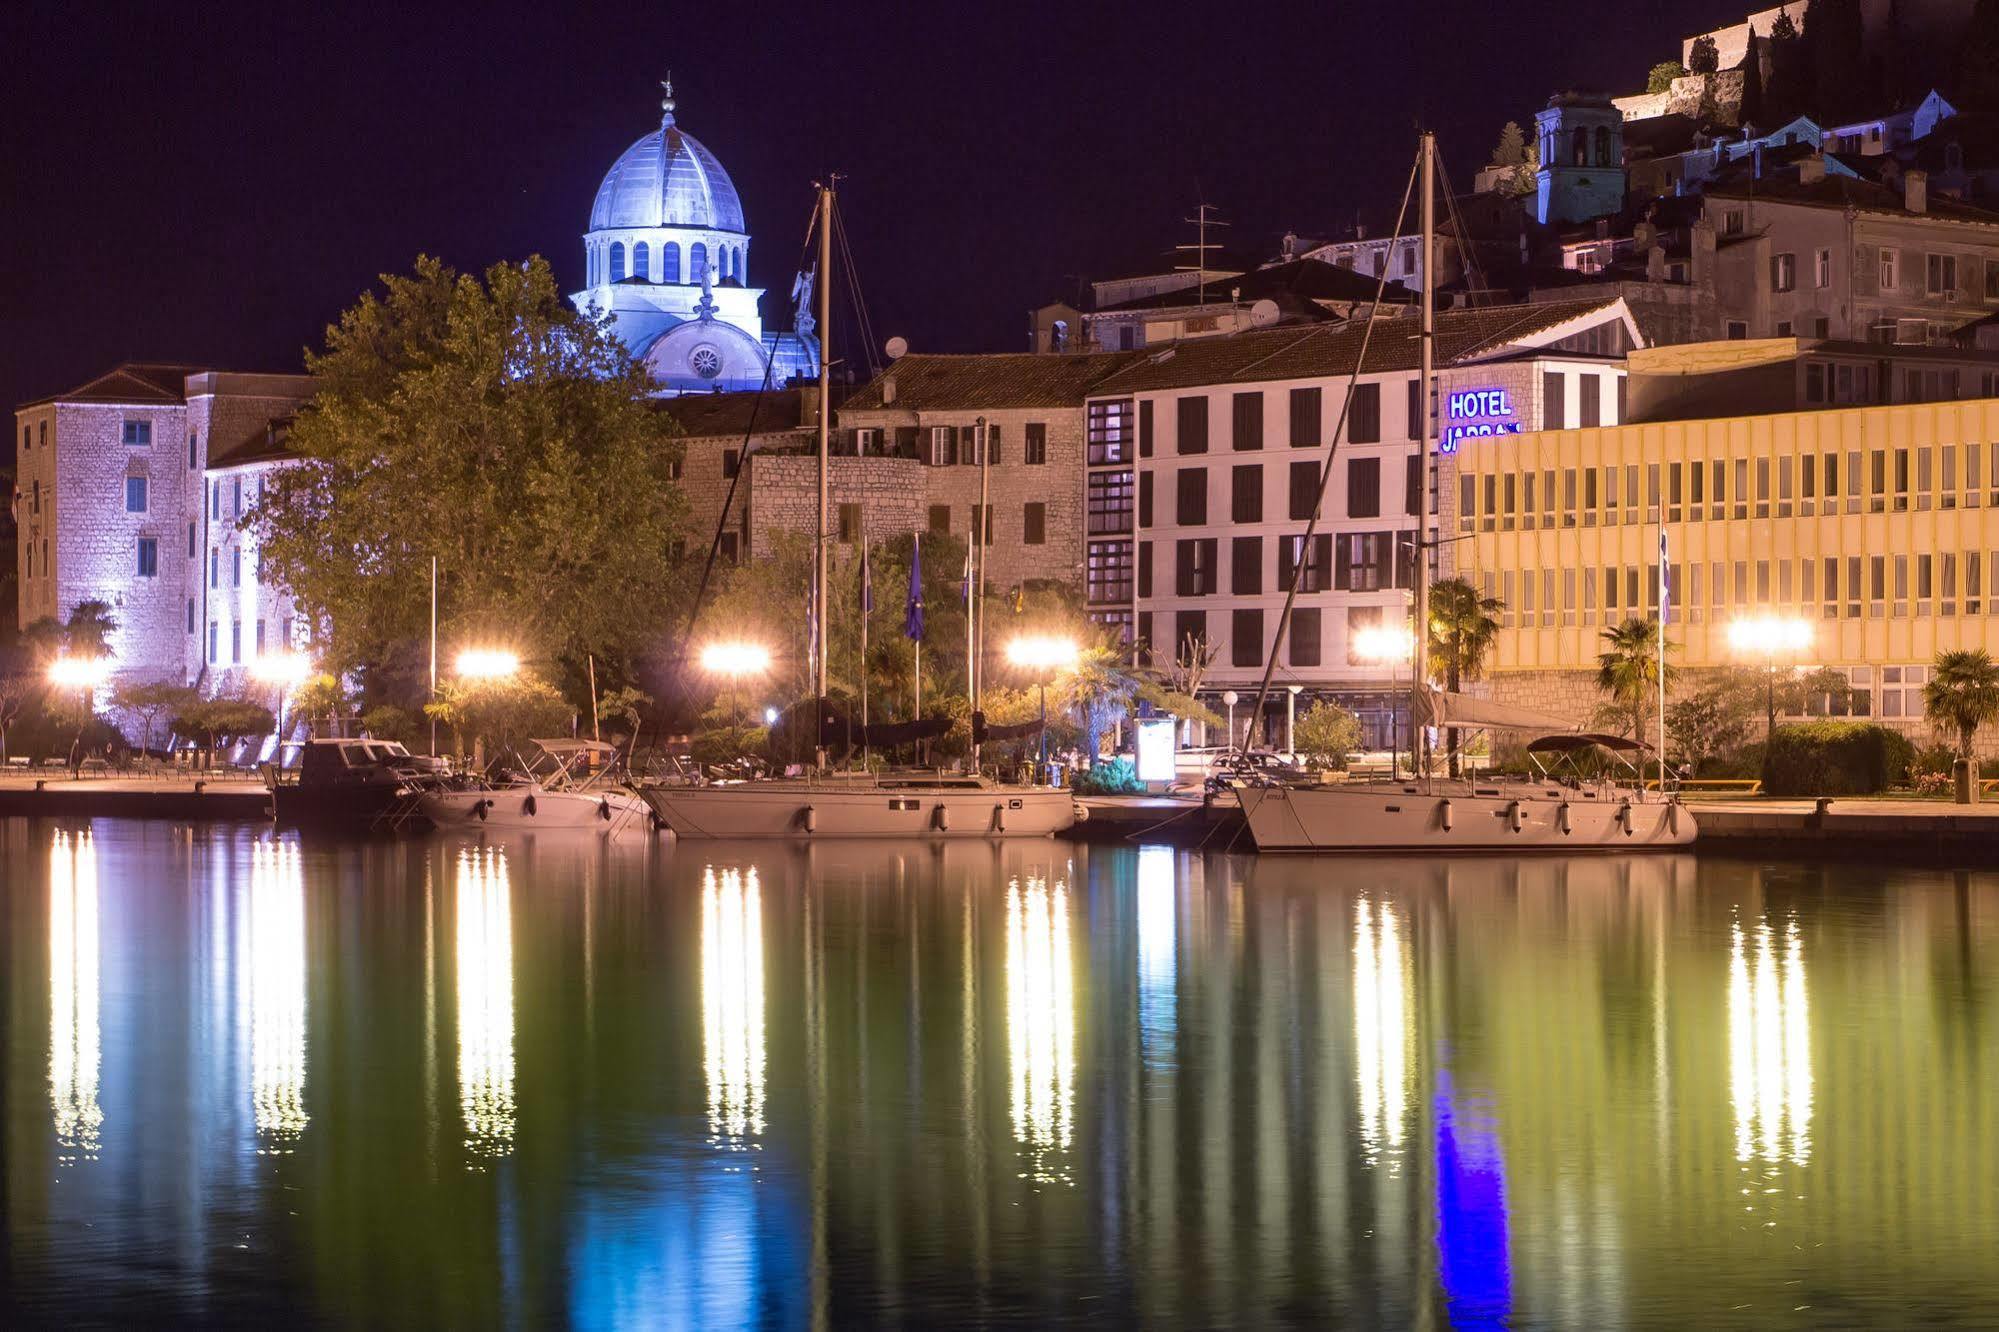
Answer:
(1511, 151)
(506, 710)
(1835, 36)
(1750, 110)
(1463, 627)
(87, 632)
(1703, 58)
(322, 698)
(1100, 688)
(1783, 29)
(622, 704)
(1660, 77)
(20, 685)
(1628, 668)
(213, 721)
(487, 425)
(1714, 720)
(1326, 734)
(1962, 694)
(149, 702)
(1789, 91)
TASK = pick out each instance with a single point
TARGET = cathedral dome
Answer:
(667, 179)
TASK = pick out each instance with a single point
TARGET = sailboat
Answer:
(825, 804)
(1560, 809)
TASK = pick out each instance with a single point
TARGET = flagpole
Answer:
(1665, 598)
(867, 605)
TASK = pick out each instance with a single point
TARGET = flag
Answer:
(1665, 592)
(912, 614)
(867, 585)
(965, 582)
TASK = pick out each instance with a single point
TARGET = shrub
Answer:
(1114, 776)
(1835, 758)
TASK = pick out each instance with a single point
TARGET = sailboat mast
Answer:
(825, 453)
(1426, 402)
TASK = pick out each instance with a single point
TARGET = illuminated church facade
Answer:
(667, 262)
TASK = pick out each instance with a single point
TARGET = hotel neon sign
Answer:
(1477, 414)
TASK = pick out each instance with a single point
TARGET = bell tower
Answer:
(1582, 159)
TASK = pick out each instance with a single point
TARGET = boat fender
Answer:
(1516, 816)
(604, 810)
(809, 817)
(1562, 818)
(658, 823)
(1444, 815)
(480, 807)
(999, 818)
(1673, 817)
(942, 820)
(1624, 817)
(528, 806)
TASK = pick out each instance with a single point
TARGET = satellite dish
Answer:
(897, 348)
(1263, 314)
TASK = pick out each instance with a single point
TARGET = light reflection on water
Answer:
(1030, 1083)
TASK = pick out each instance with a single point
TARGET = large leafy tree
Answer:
(485, 423)
(1962, 694)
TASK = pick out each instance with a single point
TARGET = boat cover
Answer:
(888, 734)
(1570, 743)
(1442, 708)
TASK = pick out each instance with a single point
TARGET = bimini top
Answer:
(1569, 744)
(667, 179)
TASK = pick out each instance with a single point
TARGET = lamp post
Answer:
(286, 671)
(1229, 701)
(1043, 656)
(485, 664)
(85, 675)
(1291, 720)
(1390, 645)
(1767, 636)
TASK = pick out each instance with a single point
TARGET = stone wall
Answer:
(783, 495)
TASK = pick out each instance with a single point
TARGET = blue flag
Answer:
(1665, 588)
(912, 615)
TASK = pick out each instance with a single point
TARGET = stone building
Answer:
(130, 490)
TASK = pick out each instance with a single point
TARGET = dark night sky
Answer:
(214, 183)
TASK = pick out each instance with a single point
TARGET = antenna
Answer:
(897, 348)
(1200, 222)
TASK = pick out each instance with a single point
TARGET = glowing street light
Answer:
(1767, 636)
(84, 673)
(487, 664)
(1390, 645)
(735, 658)
(1043, 656)
(287, 671)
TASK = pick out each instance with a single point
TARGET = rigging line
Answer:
(729, 500)
(1304, 558)
(863, 318)
(1475, 274)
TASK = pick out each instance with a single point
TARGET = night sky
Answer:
(215, 183)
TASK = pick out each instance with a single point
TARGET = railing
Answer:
(1737, 785)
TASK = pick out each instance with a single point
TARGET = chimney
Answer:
(1643, 235)
(1655, 264)
(888, 389)
(1811, 170)
(1916, 190)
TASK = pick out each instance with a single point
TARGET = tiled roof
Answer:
(702, 415)
(1333, 349)
(1845, 192)
(135, 381)
(1313, 279)
(992, 382)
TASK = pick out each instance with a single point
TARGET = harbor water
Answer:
(452, 1081)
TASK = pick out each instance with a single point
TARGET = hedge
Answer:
(1835, 758)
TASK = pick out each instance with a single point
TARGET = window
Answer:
(1731, 222)
(1191, 506)
(1822, 269)
(1144, 565)
(1414, 411)
(1107, 577)
(1364, 424)
(1592, 401)
(1886, 270)
(1305, 418)
(1037, 443)
(138, 434)
(215, 568)
(236, 642)
(1554, 410)
(235, 566)
(641, 261)
(1190, 630)
(617, 275)
(1246, 494)
(1940, 274)
(1144, 435)
(669, 262)
(850, 524)
(149, 557)
(192, 452)
(135, 494)
(1246, 417)
(1034, 524)
(236, 496)
(1246, 638)
(1412, 484)
(1246, 566)
(1783, 272)
(211, 641)
(1303, 643)
(190, 615)
(1194, 567)
(1364, 561)
(1144, 499)
(697, 261)
(1192, 425)
(1737, 330)
(1316, 576)
(1304, 490)
(731, 462)
(1363, 487)
(940, 519)
(191, 547)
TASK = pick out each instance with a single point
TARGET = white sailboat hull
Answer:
(1399, 819)
(802, 810)
(529, 808)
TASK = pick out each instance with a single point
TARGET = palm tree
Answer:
(1463, 625)
(1963, 694)
(1100, 687)
(1628, 668)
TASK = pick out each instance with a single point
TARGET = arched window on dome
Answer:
(669, 262)
(725, 262)
(617, 261)
(697, 261)
(641, 261)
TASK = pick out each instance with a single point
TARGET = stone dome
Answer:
(667, 179)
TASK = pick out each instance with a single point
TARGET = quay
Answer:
(54, 793)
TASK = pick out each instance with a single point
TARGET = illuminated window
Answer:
(617, 261)
(190, 614)
(1037, 443)
(138, 434)
(697, 261)
(236, 642)
(135, 494)
(149, 557)
(192, 449)
(641, 261)
(669, 262)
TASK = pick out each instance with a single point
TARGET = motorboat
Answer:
(1562, 808)
(341, 781)
(912, 806)
(566, 784)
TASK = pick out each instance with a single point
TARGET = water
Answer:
(437, 1083)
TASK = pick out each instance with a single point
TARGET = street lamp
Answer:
(1390, 645)
(1229, 700)
(1291, 720)
(1766, 636)
(287, 671)
(735, 658)
(1044, 656)
(487, 664)
(83, 674)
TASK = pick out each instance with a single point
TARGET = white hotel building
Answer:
(1203, 465)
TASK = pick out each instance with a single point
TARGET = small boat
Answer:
(917, 806)
(342, 782)
(1560, 811)
(568, 784)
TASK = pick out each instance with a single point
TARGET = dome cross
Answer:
(666, 99)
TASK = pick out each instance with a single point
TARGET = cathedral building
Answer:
(667, 259)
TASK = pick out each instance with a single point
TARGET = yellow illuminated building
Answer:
(1876, 526)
